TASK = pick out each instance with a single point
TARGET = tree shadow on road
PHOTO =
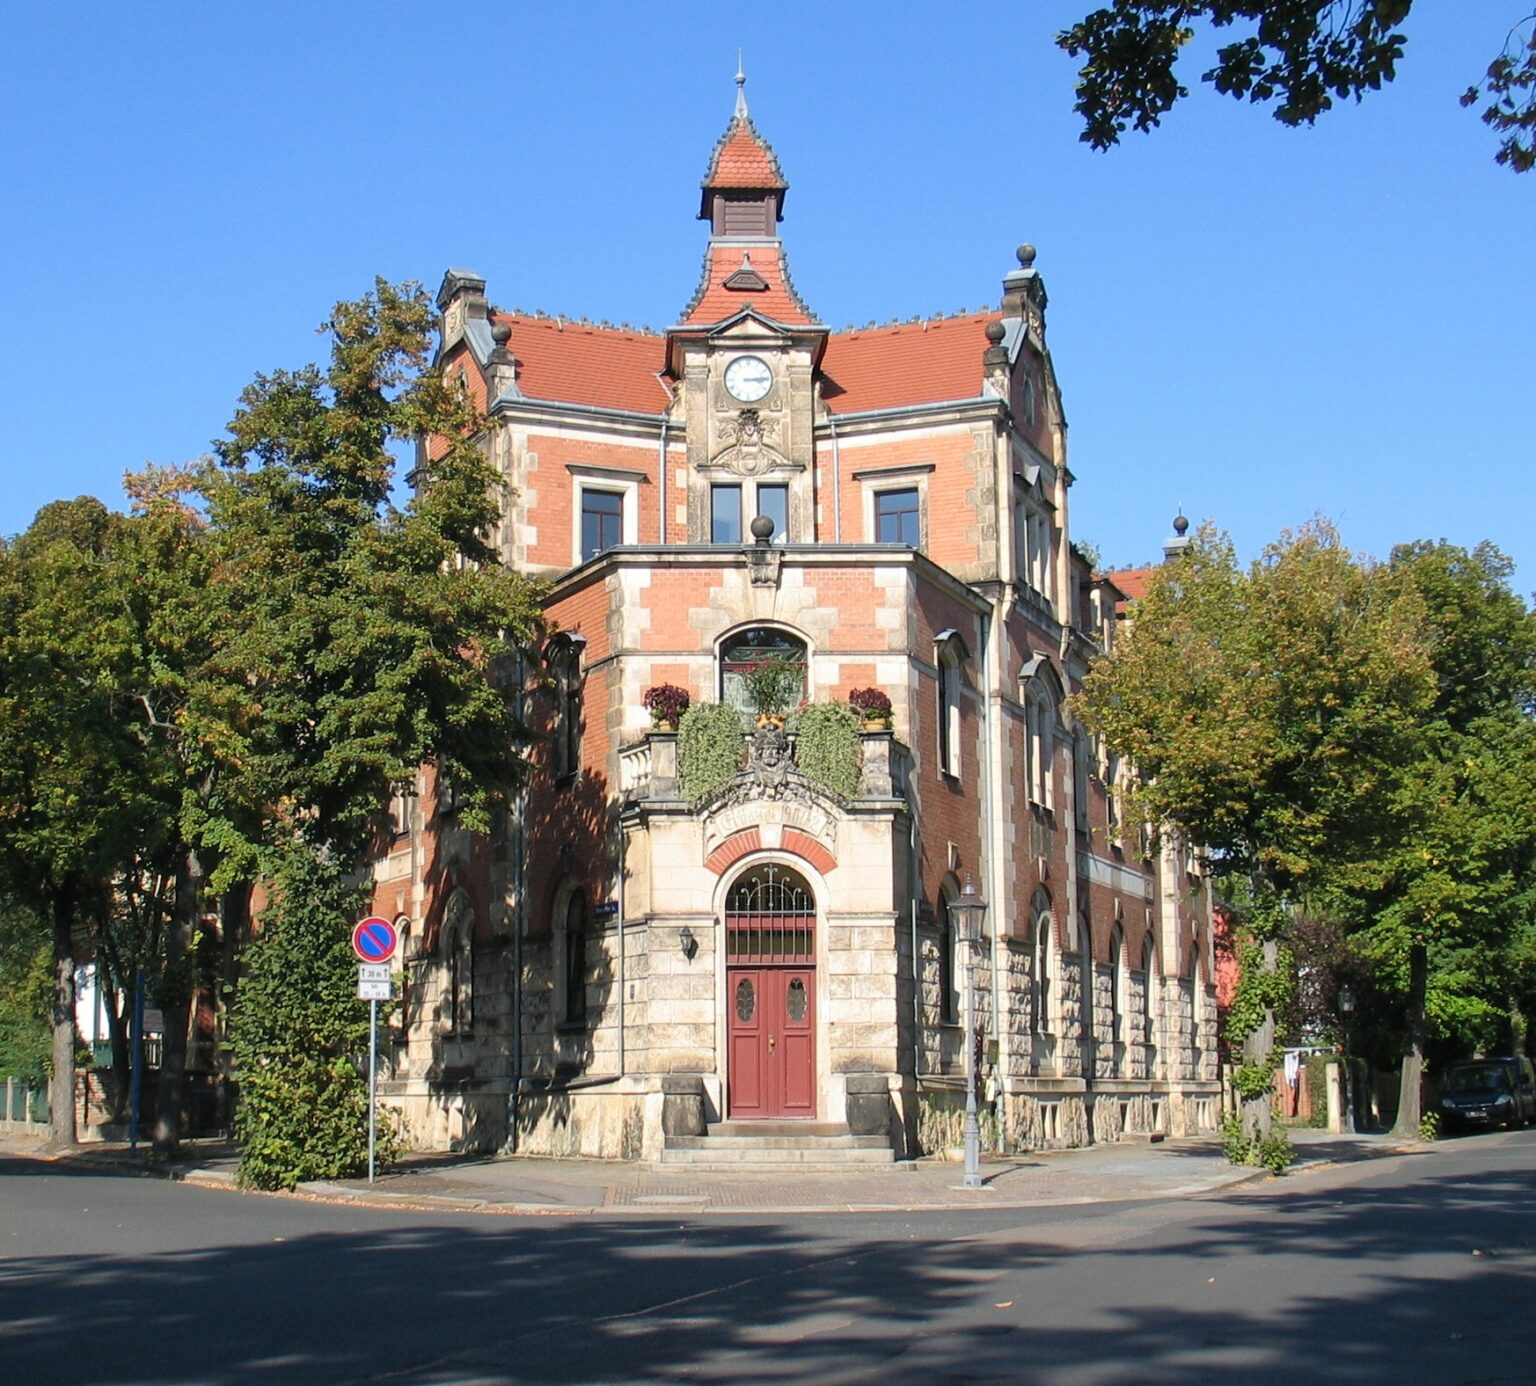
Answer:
(347, 1294)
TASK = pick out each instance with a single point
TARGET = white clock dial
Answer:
(748, 378)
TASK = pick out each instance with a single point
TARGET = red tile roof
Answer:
(744, 159)
(1132, 581)
(906, 363)
(579, 363)
(713, 302)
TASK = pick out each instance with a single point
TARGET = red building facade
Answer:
(622, 955)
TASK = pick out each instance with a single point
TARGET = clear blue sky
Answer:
(1252, 323)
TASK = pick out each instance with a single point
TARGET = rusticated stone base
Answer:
(610, 1123)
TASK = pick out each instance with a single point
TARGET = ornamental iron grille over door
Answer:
(770, 941)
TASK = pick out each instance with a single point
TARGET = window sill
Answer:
(571, 1027)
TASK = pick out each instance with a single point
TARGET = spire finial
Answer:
(741, 89)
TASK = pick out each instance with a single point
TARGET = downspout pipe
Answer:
(837, 481)
(661, 470)
(519, 916)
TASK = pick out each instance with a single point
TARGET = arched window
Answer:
(1149, 993)
(564, 658)
(949, 652)
(573, 959)
(744, 651)
(1040, 1015)
(1085, 955)
(1117, 985)
(456, 953)
(1040, 745)
(949, 988)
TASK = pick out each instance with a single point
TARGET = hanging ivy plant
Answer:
(827, 750)
(709, 748)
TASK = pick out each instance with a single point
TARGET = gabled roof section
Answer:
(1132, 583)
(742, 161)
(566, 361)
(903, 364)
(725, 291)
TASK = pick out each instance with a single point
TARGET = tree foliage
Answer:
(1269, 713)
(1300, 55)
(301, 1036)
(358, 641)
(1355, 736)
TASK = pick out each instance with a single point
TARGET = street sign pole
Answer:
(374, 941)
(373, 1081)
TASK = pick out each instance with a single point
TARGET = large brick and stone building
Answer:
(619, 958)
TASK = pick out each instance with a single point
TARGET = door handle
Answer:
(770, 1044)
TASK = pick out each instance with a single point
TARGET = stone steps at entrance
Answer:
(796, 1145)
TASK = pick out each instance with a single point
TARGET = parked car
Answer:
(1496, 1091)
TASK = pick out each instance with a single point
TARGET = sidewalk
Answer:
(529, 1185)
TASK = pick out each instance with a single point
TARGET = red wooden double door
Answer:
(770, 927)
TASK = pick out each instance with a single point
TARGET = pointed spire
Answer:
(741, 89)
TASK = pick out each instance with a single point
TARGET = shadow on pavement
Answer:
(352, 1296)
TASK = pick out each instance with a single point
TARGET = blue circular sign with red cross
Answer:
(375, 940)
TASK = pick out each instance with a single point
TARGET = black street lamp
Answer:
(967, 914)
(1346, 1009)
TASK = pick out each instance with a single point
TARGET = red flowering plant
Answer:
(666, 702)
(871, 704)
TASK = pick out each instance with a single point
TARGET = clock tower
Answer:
(746, 351)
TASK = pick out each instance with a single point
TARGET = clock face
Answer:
(748, 379)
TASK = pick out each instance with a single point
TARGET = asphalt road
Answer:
(1414, 1269)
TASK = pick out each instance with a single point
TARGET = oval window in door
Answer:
(746, 1000)
(795, 1002)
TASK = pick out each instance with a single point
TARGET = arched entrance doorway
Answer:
(770, 978)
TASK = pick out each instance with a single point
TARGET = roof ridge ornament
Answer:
(741, 89)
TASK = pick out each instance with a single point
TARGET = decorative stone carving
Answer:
(768, 759)
(748, 440)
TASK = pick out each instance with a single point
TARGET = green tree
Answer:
(299, 1034)
(358, 641)
(1300, 55)
(25, 994)
(1270, 715)
(1443, 923)
(77, 790)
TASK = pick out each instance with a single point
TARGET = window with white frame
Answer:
(456, 954)
(745, 650)
(604, 510)
(571, 946)
(1040, 1012)
(1149, 992)
(773, 501)
(948, 960)
(1040, 752)
(564, 660)
(950, 653)
(896, 504)
(1089, 990)
(898, 517)
(1082, 757)
(725, 514)
(1117, 985)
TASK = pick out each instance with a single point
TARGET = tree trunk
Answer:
(1408, 1113)
(61, 1082)
(177, 995)
(1258, 1112)
(235, 924)
(117, 1032)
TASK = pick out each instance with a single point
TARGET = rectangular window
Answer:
(949, 716)
(725, 514)
(898, 518)
(773, 501)
(602, 521)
